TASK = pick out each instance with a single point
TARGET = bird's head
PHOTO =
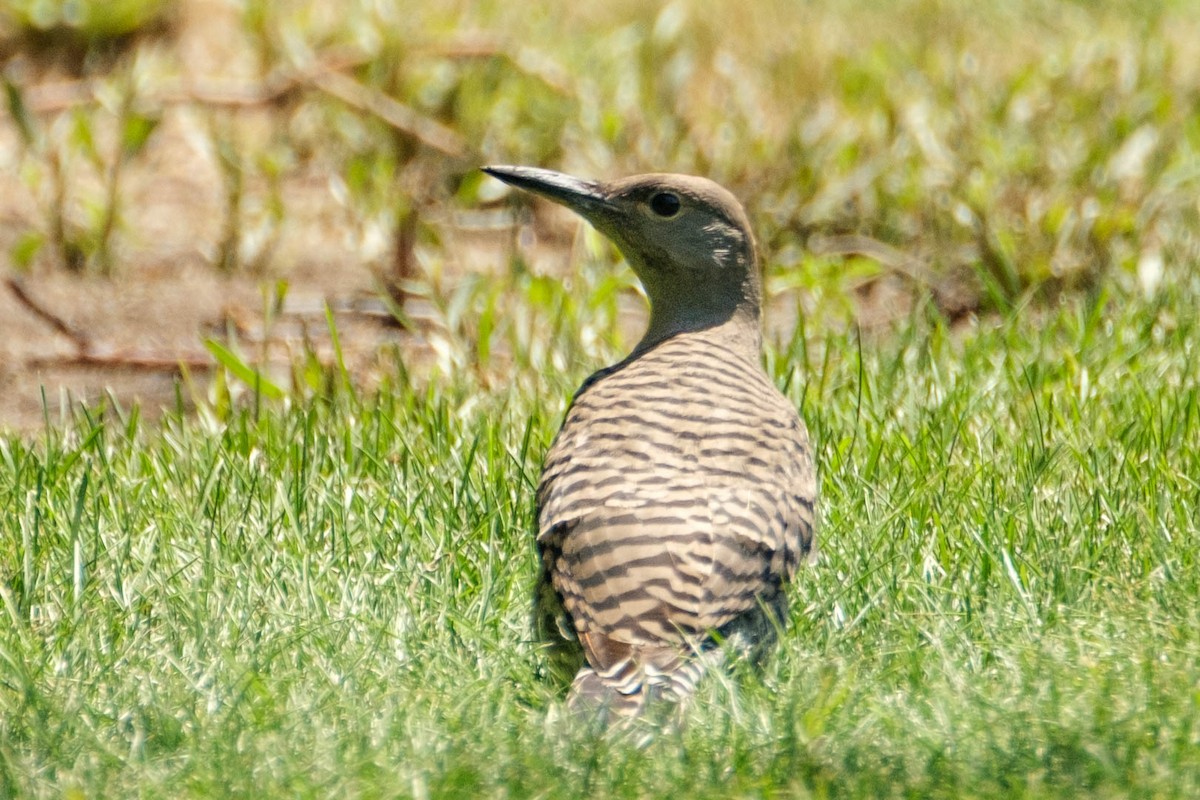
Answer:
(687, 239)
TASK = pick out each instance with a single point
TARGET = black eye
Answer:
(665, 204)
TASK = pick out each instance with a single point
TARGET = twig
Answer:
(953, 293)
(855, 244)
(324, 76)
(128, 359)
(88, 355)
(78, 337)
(524, 59)
(400, 116)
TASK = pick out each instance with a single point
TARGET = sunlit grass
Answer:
(333, 598)
(324, 591)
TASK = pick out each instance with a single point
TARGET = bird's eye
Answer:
(665, 204)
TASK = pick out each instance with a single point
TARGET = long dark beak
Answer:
(584, 197)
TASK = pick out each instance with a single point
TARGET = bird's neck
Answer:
(740, 331)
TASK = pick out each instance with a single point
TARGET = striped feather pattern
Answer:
(676, 501)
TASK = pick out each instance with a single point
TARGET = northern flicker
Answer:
(679, 496)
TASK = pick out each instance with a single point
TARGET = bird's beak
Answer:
(586, 198)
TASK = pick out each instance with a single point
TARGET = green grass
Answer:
(331, 599)
(327, 594)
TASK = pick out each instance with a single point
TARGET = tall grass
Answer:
(331, 597)
(323, 590)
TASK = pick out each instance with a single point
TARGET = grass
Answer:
(324, 590)
(331, 598)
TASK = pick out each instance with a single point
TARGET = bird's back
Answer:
(676, 501)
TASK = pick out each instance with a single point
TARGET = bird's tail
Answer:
(630, 689)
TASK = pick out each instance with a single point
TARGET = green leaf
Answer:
(26, 124)
(83, 137)
(337, 343)
(243, 371)
(136, 132)
(26, 249)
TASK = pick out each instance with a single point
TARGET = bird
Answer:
(679, 497)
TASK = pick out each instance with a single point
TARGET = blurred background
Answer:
(246, 192)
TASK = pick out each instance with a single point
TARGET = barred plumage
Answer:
(679, 496)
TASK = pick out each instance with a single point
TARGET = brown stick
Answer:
(80, 339)
(525, 60)
(87, 355)
(855, 244)
(127, 360)
(325, 77)
(400, 116)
